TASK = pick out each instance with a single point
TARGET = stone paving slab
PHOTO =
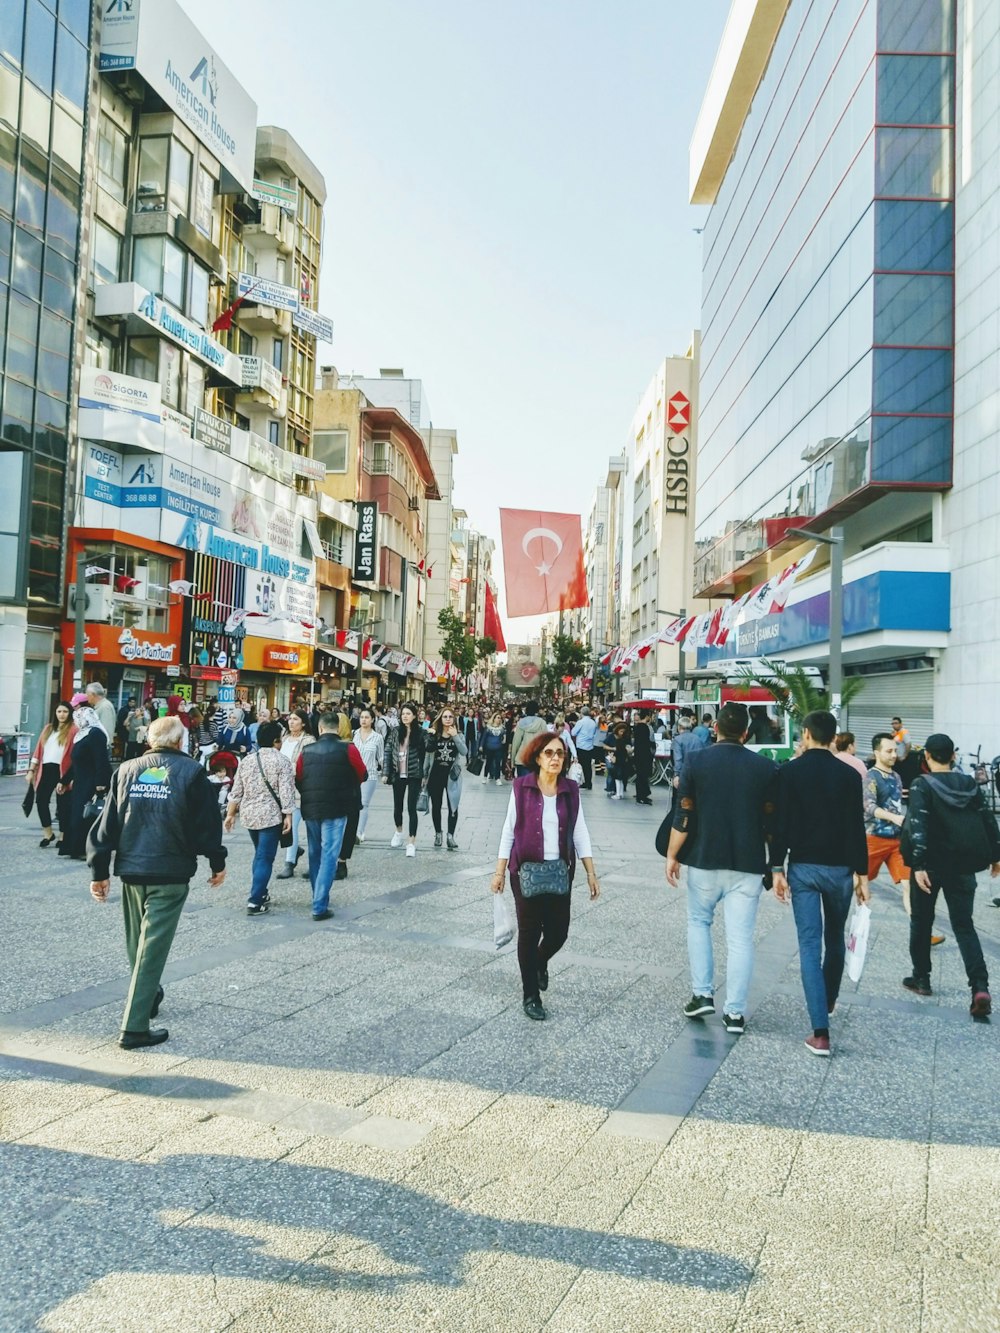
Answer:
(354, 1127)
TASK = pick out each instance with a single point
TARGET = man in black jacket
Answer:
(949, 835)
(820, 826)
(720, 830)
(161, 815)
(329, 776)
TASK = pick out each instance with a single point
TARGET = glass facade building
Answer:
(828, 286)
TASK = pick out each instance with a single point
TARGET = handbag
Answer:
(423, 802)
(94, 808)
(538, 877)
(475, 766)
(575, 773)
(285, 840)
(27, 805)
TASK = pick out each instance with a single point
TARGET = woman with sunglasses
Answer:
(544, 835)
(446, 748)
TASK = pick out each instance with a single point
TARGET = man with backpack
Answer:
(949, 835)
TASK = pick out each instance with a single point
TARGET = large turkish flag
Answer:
(491, 622)
(542, 562)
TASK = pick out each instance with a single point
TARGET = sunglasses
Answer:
(553, 754)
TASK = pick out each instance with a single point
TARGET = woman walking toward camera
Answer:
(293, 742)
(446, 748)
(48, 768)
(494, 740)
(87, 775)
(544, 834)
(404, 768)
(371, 747)
(264, 793)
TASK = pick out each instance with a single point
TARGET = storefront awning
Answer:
(312, 536)
(351, 659)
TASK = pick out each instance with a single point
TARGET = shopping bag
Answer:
(423, 803)
(575, 773)
(475, 766)
(504, 921)
(857, 940)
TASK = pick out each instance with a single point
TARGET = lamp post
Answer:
(835, 541)
(677, 615)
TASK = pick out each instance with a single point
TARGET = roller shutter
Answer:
(905, 694)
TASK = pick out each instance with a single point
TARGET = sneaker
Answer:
(919, 985)
(499, 782)
(286, 871)
(818, 1046)
(533, 1008)
(257, 909)
(735, 1023)
(698, 1005)
(982, 1004)
(438, 839)
(484, 778)
(411, 849)
(359, 837)
(396, 840)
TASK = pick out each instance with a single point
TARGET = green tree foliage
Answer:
(459, 647)
(485, 648)
(796, 693)
(568, 657)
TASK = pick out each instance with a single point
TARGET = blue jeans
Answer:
(739, 894)
(265, 842)
(325, 838)
(821, 901)
(494, 764)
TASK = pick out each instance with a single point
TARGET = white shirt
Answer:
(550, 831)
(52, 751)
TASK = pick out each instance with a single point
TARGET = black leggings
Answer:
(542, 927)
(410, 787)
(642, 790)
(437, 786)
(350, 835)
(47, 784)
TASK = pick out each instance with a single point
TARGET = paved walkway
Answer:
(353, 1126)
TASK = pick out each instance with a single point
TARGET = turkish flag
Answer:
(542, 562)
(491, 622)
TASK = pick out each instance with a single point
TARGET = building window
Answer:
(204, 192)
(112, 158)
(106, 253)
(39, 45)
(71, 69)
(179, 190)
(915, 90)
(198, 299)
(143, 358)
(274, 432)
(913, 309)
(911, 234)
(278, 353)
(158, 265)
(912, 163)
(11, 480)
(330, 447)
(151, 184)
(916, 25)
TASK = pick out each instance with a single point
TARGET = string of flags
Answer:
(711, 629)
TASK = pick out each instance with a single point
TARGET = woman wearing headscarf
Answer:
(544, 834)
(47, 769)
(446, 748)
(293, 742)
(177, 707)
(87, 775)
(234, 736)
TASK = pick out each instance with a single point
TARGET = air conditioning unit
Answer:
(414, 502)
(98, 603)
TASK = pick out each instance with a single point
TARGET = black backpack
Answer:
(958, 839)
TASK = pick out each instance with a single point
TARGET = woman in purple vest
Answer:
(544, 824)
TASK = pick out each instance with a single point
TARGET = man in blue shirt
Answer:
(583, 735)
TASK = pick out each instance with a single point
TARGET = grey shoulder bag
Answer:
(538, 877)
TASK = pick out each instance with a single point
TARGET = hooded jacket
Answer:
(948, 828)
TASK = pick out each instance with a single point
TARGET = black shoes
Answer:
(341, 870)
(131, 1041)
(735, 1023)
(533, 1008)
(157, 1001)
(322, 916)
(919, 985)
(699, 1005)
(452, 844)
(286, 871)
(258, 909)
(543, 976)
(47, 842)
(643, 800)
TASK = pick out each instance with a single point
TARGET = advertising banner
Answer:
(366, 542)
(265, 291)
(285, 196)
(213, 432)
(309, 321)
(120, 393)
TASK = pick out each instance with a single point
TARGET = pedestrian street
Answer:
(354, 1126)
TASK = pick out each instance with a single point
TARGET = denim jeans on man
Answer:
(265, 843)
(739, 894)
(821, 902)
(325, 838)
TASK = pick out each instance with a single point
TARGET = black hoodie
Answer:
(948, 828)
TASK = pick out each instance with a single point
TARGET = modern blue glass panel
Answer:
(912, 380)
(913, 234)
(914, 90)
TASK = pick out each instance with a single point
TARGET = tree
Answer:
(568, 658)
(795, 692)
(458, 646)
(503, 679)
(485, 649)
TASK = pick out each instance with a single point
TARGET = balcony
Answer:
(275, 226)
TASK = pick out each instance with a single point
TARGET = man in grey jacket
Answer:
(529, 725)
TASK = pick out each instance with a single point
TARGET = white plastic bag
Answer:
(575, 773)
(504, 920)
(857, 940)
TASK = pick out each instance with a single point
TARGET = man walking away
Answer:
(529, 725)
(949, 835)
(161, 815)
(820, 825)
(329, 776)
(720, 829)
(583, 735)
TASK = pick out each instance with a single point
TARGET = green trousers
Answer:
(151, 915)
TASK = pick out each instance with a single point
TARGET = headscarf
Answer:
(240, 717)
(86, 719)
(174, 702)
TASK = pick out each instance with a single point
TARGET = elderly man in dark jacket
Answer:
(161, 815)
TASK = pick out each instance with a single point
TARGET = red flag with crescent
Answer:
(542, 562)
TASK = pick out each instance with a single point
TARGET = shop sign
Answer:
(309, 321)
(365, 541)
(102, 474)
(159, 40)
(266, 292)
(173, 671)
(206, 538)
(112, 643)
(182, 423)
(281, 657)
(260, 374)
(119, 393)
(213, 432)
(309, 467)
(270, 459)
(128, 298)
(285, 196)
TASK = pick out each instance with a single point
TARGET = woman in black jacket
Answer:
(446, 748)
(642, 760)
(88, 775)
(405, 746)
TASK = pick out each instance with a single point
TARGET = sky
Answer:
(507, 215)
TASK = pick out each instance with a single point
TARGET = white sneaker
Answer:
(485, 779)
(359, 837)
(396, 840)
(499, 782)
(411, 849)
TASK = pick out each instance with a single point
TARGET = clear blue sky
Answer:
(507, 213)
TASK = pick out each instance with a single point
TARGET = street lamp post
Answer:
(677, 615)
(835, 541)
